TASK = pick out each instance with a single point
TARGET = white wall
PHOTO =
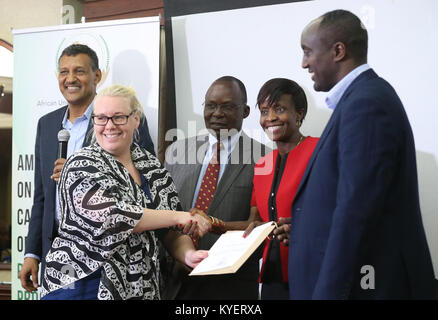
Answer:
(257, 44)
(18, 14)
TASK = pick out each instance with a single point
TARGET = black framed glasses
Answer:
(118, 119)
(225, 107)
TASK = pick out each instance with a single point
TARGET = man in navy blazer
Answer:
(356, 229)
(78, 77)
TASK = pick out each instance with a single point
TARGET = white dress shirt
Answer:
(229, 144)
(335, 93)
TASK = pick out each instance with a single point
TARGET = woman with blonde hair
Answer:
(117, 202)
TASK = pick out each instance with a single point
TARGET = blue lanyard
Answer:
(145, 187)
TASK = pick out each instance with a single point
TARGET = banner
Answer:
(128, 52)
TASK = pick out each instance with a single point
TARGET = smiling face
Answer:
(76, 79)
(279, 119)
(230, 109)
(319, 58)
(115, 139)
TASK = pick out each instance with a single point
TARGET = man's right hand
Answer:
(59, 163)
(199, 224)
(30, 268)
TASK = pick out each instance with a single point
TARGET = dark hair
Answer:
(344, 26)
(273, 89)
(75, 49)
(239, 83)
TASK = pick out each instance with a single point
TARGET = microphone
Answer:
(63, 136)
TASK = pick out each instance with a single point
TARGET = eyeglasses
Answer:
(225, 107)
(118, 119)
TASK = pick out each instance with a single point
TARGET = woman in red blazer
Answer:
(283, 106)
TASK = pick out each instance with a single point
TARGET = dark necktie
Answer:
(209, 181)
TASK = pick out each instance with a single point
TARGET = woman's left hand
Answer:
(194, 257)
(283, 230)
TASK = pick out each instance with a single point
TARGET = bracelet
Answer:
(218, 226)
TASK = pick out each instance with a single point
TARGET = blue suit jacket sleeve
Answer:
(367, 146)
(34, 237)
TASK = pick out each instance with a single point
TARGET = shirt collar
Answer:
(228, 144)
(86, 115)
(335, 93)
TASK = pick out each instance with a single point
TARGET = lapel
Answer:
(196, 148)
(242, 151)
(88, 135)
(333, 119)
(50, 154)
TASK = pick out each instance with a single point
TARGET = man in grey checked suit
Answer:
(225, 108)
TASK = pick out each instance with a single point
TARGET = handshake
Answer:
(200, 224)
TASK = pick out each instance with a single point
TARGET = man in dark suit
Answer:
(356, 229)
(78, 77)
(225, 108)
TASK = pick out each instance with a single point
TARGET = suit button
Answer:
(297, 209)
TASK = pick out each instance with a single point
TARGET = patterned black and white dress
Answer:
(100, 205)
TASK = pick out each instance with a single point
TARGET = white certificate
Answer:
(231, 250)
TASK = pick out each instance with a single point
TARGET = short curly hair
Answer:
(273, 89)
(76, 48)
